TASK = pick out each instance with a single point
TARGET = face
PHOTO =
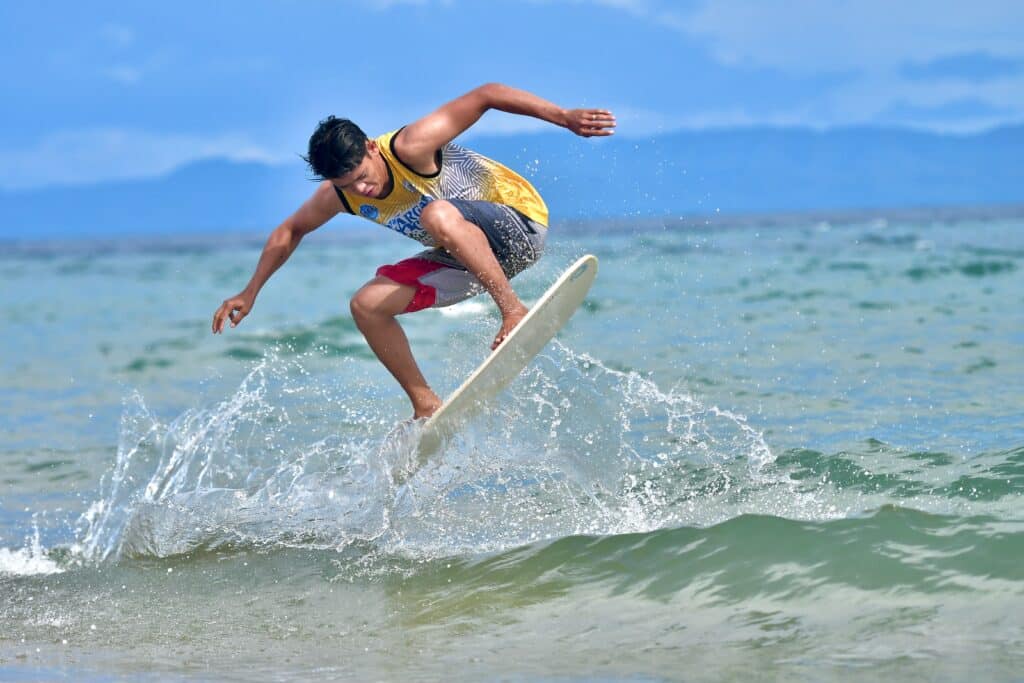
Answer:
(369, 178)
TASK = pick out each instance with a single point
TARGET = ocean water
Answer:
(762, 452)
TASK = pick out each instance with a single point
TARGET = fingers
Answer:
(229, 310)
(218, 319)
(595, 122)
(602, 115)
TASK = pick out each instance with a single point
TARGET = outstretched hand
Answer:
(591, 122)
(235, 308)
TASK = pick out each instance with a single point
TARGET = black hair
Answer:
(335, 148)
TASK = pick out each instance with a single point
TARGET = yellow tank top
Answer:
(464, 174)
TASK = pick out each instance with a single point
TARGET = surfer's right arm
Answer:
(314, 212)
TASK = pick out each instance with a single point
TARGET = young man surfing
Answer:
(482, 222)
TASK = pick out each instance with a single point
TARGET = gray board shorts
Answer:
(440, 280)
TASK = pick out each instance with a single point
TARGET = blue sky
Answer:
(112, 90)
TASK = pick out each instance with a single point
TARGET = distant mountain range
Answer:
(731, 171)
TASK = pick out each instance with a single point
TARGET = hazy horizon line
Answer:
(359, 230)
(284, 160)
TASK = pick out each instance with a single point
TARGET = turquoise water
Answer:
(788, 452)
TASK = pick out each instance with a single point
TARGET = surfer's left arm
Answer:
(419, 142)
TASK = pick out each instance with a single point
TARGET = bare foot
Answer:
(508, 323)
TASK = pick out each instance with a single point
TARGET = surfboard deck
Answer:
(541, 324)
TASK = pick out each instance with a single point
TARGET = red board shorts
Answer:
(440, 280)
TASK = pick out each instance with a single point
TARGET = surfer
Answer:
(481, 222)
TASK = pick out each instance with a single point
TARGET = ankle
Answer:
(425, 403)
(512, 308)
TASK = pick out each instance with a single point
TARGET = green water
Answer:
(786, 453)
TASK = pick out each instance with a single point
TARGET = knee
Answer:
(379, 299)
(362, 305)
(440, 219)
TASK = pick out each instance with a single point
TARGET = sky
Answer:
(103, 91)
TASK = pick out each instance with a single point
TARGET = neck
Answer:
(390, 185)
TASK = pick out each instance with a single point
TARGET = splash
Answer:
(30, 560)
(248, 470)
(574, 447)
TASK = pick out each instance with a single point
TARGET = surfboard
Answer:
(541, 324)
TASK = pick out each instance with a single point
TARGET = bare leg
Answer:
(374, 308)
(467, 243)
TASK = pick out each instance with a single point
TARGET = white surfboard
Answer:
(533, 332)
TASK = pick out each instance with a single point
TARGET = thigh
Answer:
(517, 242)
(384, 295)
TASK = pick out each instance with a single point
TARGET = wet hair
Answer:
(335, 148)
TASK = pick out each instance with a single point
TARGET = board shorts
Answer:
(440, 280)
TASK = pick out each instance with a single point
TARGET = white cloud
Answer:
(381, 5)
(124, 74)
(118, 35)
(810, 36)
(91, 156)
(731, 117)
(638, 7)
(133, 71)
(867, 99)
(869, 42)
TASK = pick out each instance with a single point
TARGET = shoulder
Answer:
(325, 203)
(398, 142)
(417, 153)
(319, 208)
(327, 197)
(386, 139)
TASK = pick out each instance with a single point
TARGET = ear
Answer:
(371, 147)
